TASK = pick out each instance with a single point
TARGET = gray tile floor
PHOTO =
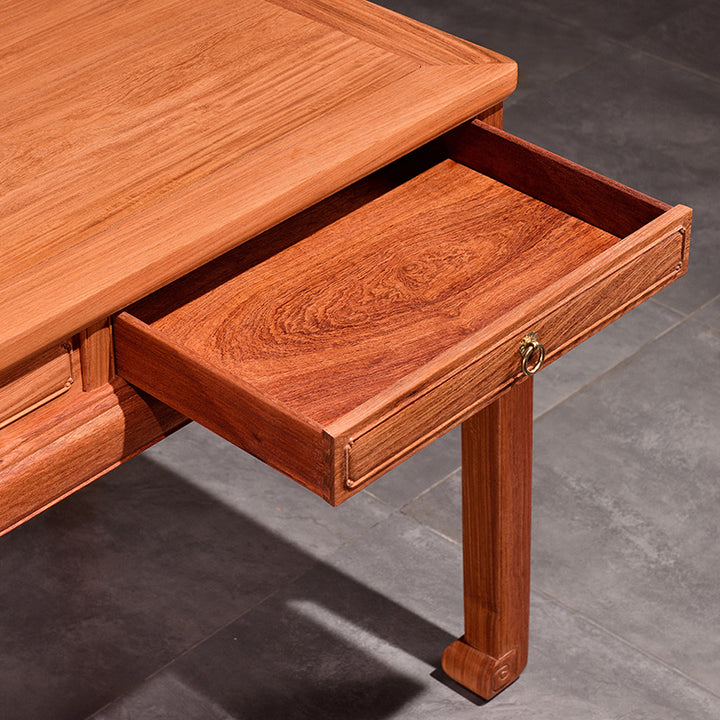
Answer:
(194, 582)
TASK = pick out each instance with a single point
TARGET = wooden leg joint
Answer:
(486, 676)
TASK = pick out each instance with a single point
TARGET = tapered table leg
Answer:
(496, 501)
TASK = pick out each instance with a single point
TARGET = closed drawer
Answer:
(351, 335)
(25, 387)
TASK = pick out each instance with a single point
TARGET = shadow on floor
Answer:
(108, 587)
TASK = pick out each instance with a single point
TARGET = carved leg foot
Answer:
(486, 676)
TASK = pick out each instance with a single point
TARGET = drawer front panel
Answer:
(30, 385)
(444, 405)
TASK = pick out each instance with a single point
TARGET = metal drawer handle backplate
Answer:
(528, 347)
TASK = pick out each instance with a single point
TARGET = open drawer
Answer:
(338, 343)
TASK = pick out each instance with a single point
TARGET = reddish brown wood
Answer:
(258, 423)
(378, 319)
(145, 139)
(65, 446)
(371, 293)
(26, 386)
(392, 32)
(142, 139)
(492, 116)
(496, 496)
(548, 177)
(96, 355)
(462, 388)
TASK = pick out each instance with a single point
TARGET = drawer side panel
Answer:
(223, 404)
(559, 182)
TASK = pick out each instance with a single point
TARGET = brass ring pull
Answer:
(529, 345)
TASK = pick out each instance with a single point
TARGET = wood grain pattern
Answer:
(36, 382)
(548, 177)
(140, 140)
(493, 116)
(393, 32)
(460, 388)
(258, 423)
(70, 443)
(360, 303)
(496, 500)
(143, 139)
(385, 315)
(197, 42)
(96, 355)
(652, 257)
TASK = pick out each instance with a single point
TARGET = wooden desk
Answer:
(274, 217)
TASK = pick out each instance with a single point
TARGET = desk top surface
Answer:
(138, 139)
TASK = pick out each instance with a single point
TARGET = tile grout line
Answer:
(437, 532)
(357, 535)
(628, 43)
(684, 317)
(674, 63)
(318, 561)
(613, 367)
(509, 104)
(703, 322)
(433, 486)
(624, 641)
(597, 57)
(419, 495)
(569, 608)
(401, 508)
(207, 637)
(591, 621)
(673, 309)
(704, 325)
(705, 304)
